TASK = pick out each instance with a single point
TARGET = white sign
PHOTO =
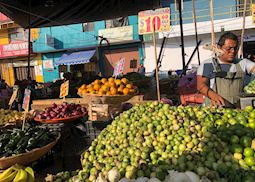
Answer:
(48, 64)
(119, 67)
(118, 34)
(38, 70)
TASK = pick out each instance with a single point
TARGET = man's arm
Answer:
(202, 87)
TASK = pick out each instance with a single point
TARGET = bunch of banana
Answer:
(17, 174)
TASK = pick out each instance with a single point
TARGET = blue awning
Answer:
(80, 57)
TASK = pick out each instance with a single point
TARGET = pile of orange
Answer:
(108, 86)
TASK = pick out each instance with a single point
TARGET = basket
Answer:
(107, 99)
(26, 158)
(60, 120)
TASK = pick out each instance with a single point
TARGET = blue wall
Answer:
(202, 9)
(51, 74)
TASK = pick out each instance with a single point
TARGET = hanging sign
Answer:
(38, 70)
(64, 89)
(119, 67)
(160, 18)
(14, 95)
(26, 100)
(253, 13)
(48, 64)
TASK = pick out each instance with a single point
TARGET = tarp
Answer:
(80, 57)
(63, 12)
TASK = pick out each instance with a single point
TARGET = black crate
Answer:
(94, 128)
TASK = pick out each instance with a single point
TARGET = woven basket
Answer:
(107, 99)
(26, 158)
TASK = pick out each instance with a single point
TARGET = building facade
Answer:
(111, 40)
(14, 52)
(227, 17)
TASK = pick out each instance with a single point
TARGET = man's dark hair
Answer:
(227, 35)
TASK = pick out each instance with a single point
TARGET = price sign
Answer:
(14, 95)
(64, 89)
(119, 67)
(26, 99)
(160, 18)
(253, 13)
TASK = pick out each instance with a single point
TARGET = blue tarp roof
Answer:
(80, 57)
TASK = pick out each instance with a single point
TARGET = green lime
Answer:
(250, 161)
(232, 121)
(248, 152)
(248, 108)
(252, 114)
(236, 148)
(246, 141)
(234, 139)
(252, 124)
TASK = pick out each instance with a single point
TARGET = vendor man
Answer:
(229, 82)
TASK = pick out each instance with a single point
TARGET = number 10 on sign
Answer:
(160, 19)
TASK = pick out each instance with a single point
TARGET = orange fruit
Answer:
(112, 84)
(96, 87)
(107, 83)
(118, 81)
(101, 92)
(120, 90)
(103, 80)
(108, 93)
(122, 86)
(124, 80)
(97, 81)
(126, 91)
(111, 79)
(83, 86)
(84, 91)
(129, 85)
(113, 91)
(105, 88)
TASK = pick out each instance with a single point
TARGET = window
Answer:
(176, 2)
(18, 35)
(88, 27)
(117, 22)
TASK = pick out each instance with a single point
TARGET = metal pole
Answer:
(156, 62)
(195, 23)
(242, 35)
(182, 39)
(29, 44)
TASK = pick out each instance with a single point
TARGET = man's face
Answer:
(230, 49)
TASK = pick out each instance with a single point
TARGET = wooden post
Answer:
(212, 23)
(195, 23)
(242, 35)
(24, 121)
(156, 61)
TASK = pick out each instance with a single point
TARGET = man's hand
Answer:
(202, 87)
(216, 100)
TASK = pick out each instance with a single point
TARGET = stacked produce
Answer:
(12, 117)
(17, 173)
(108, 86)
(16, 141)
(250, 88)
(63, 176)
(149, 140)
(62, 111)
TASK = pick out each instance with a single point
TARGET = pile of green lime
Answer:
(150, 139)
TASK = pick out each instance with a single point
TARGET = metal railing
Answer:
(228, 12)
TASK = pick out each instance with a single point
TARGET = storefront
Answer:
(14, 63)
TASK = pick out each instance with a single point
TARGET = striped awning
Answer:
(73, 58)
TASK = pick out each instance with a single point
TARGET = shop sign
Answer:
(48, 64)
(64, 89)
(117, 34)
(15, 49)
(119, 67)
(24, 63)
(38, 70)
(26, 100)
(160, 18)
(253, 13)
